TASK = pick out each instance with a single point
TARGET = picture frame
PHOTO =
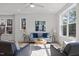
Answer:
(40, 25)
(9, 30)
(2, 28)
(9, 21)
(23, 23)
(9, 26)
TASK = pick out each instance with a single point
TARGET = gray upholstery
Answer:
(71, 49)
(9, 49)
(54, 51)
(74, 48)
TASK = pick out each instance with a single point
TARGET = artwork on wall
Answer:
(23, 23)
(9, 21)
(2, 29)
(40, 25)
(9, 26)
(9, 30)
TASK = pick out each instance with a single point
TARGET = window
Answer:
(40, 26)
(68, 23)
(64, 25)
(72, 22)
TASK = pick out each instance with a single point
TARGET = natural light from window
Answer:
(68, 22)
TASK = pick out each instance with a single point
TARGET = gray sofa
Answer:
(9, 49)
(71, 49)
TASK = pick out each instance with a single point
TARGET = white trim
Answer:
(68, 9)
(60, 23)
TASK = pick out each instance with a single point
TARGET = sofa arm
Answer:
(25, 51)
(55, 52)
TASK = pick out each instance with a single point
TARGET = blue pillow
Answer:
(35, 35)
(45, 35)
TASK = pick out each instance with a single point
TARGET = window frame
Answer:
(61, 22)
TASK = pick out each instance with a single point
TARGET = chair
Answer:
(10, 49)
(71, 49)
(7, 48)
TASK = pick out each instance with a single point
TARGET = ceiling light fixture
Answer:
(32, 5)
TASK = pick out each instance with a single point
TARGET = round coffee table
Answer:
(42, 41)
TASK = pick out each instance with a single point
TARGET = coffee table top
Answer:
(42, 41)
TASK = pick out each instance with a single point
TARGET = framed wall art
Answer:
(40, 25)
(9, 26)
(9, 21)
(23, 23)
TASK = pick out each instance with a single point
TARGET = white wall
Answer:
(30, 23)
(77, 21)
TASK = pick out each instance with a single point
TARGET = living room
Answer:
(38, 26)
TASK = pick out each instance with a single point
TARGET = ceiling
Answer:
(14, 8)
